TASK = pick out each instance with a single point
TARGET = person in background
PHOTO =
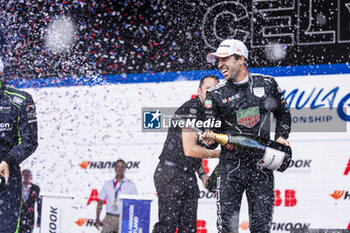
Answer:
(18, 140)
(181, 158)
(111, 192)
(30, 196)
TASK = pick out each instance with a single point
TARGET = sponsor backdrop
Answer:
(84, 129)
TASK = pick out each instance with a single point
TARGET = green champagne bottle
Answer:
(212, 181)
(260, 151)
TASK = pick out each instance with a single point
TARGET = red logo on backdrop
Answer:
(193, 96)
(201, 226)
(349, 226)
(289, 198)
(94, 197)
(244, 225)
(347, 169)
(205, 166)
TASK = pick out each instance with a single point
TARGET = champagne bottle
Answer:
(2, 183)
(261, 151)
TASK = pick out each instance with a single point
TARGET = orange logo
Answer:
(337, 194)
(84, 164)
(81, 221)
(244, 225)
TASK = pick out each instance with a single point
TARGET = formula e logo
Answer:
(5, 127)
(152, 119)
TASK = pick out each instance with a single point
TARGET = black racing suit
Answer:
(245, 109)
(18, 140)
(175, 178)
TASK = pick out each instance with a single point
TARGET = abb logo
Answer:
(94, 197)
(347, 169)
(337, 194)
(200, 227)
(289, 198)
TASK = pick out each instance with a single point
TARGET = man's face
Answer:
(207, 84)
(120, 168)
(26, 177)
(230, 67)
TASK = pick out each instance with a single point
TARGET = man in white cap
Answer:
(244, 102)
(18, 140)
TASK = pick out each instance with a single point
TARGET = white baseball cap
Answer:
(1, 65)
(228, 48)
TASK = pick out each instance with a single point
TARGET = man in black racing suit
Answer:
(18, 140)
(244, 102)
(175, 178)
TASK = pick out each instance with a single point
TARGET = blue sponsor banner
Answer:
(135, 216)
(174, 76)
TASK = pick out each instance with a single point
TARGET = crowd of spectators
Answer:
(132, 36)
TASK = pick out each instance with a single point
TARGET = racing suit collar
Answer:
(240, 85)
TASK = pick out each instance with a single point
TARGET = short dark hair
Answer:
(208, 76)
(27, 170)
(119, 161)
(236, 56)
